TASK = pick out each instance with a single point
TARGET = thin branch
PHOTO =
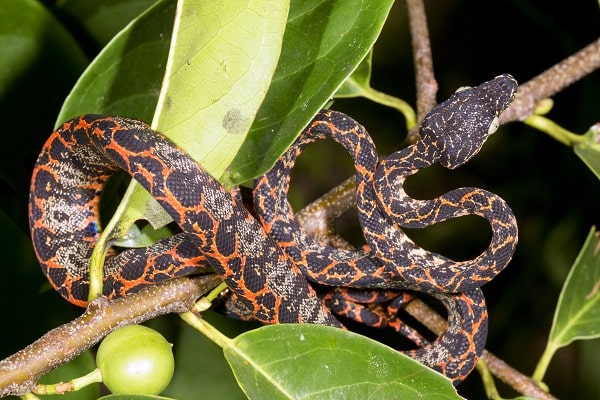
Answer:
(319, 217)
(426, 84)
(20, 371)
(552, 81)
(507, 374)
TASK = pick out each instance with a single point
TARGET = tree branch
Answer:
(426, 84)
(552, 81)
(20, 371)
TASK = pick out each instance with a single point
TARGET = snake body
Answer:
(467, 118)
(266, 265)
(451, 134)
(70, 173)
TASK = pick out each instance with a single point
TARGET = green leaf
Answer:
(319, 362)
(217, 75)
(577, 314)
(324, 42)
(360, 80)
(125, 78)
(589, 149)
(359, 85)
(222, 58)
(133, 397)
(103, 19)
(26, 28)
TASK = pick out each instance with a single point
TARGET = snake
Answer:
(218, 233)
(73, 168)
(452, 133)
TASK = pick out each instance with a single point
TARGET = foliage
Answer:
(276, 79)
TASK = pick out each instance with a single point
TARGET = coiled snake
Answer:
(267, 265)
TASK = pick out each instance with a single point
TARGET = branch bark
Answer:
(552, 81)
(426, 83)
(21, 371)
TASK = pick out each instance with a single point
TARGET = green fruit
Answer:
(135, 360)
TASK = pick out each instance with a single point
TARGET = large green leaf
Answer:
(577, 314)
(324, 42)
(222, 57)
(320, 362)
(125, 78)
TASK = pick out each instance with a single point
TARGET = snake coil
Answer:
(267, 264)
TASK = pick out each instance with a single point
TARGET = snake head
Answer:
(459, 126)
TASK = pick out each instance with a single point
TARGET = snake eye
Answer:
(494, 125)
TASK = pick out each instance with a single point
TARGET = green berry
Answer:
(135, 360)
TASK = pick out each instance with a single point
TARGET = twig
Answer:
(20, 371)
(319, 217)
(552, 81)
(507, 374)
(426, 84)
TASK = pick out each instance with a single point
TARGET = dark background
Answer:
(552, 193)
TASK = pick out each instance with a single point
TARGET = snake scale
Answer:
(268, 264)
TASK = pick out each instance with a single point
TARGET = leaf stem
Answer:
(29, 396)
(393, 102)
(205, 328)
(114, 228)
(553, 129)
(488, 380)
(205, 302)
(73, 385)
(543, 363)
